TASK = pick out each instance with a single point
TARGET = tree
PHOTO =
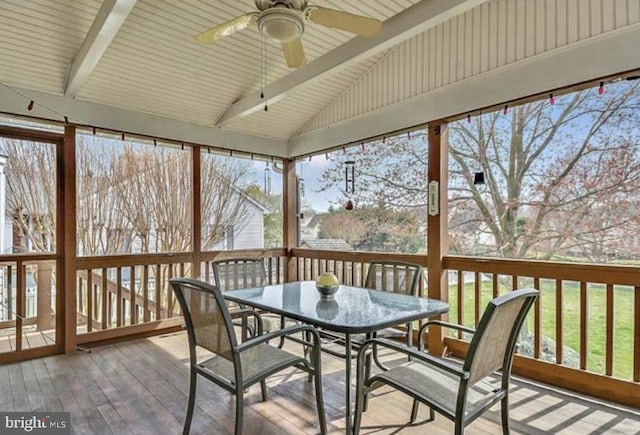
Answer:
(377, 228)
(31, 205)
(558, 177)
(561, 179)
(390, 199)
(131, 197)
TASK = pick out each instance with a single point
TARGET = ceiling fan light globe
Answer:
(281, 26)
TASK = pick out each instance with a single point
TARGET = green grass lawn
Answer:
(623, 319)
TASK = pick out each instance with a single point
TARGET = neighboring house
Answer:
(248, 234)
(327, 244)
(310, 226)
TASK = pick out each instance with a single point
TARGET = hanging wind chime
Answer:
(349, 182)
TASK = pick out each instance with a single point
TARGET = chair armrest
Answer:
(439, 363)
(444, 325)
(243, 313)
(279, 333)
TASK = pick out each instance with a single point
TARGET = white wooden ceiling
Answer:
(153, 78)
(153, 65)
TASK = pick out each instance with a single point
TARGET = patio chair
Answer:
(460, 393)
(235, 367)
(239, 273)
(388, 276)
(396, 277)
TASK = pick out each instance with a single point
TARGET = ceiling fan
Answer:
(283, 21)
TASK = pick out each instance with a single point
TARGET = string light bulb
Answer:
(601, 88)
(552, 100)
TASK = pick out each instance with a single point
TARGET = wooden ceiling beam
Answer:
(412, 21)
(105, 26)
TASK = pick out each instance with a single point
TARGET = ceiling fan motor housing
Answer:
(281, 24)
(298, 5)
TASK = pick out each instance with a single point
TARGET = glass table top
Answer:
(350, 310)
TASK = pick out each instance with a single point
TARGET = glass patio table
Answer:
(352, 310)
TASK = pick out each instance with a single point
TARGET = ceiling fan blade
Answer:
(294, 53)
(344, 21)
(226, 29)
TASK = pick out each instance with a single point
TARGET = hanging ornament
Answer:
(349, 182)
(349, 205)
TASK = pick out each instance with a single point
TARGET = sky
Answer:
(310, 172)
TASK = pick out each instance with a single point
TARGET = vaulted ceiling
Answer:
(131, 64)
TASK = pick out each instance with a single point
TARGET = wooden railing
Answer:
(28, 306)
(350, 267)
(591, 344)
(583, 333)
(130, 295)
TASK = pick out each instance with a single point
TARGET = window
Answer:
(241, 202)
(27, 196)
(560, 180)
(367, 197)
(228, 237)
(132, 197)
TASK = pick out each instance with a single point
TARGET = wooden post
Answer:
(290, 218)
(44, 280)
(196, 226)
(69, 247)
(438, 240)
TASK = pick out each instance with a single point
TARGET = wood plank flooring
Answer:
(30, 339)
(141, 387)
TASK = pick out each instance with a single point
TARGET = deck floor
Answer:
(141, 387)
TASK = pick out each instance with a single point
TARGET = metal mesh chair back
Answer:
(239, 273)
(493, 344)
(395, 277)
(207, 318)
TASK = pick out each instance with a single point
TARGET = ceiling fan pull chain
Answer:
(264, 71)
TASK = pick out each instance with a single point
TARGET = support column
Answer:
(196, 225)
(290, 218)
(438, 237)
(68, 226)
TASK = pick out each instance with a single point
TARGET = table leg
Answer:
(348, 382)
